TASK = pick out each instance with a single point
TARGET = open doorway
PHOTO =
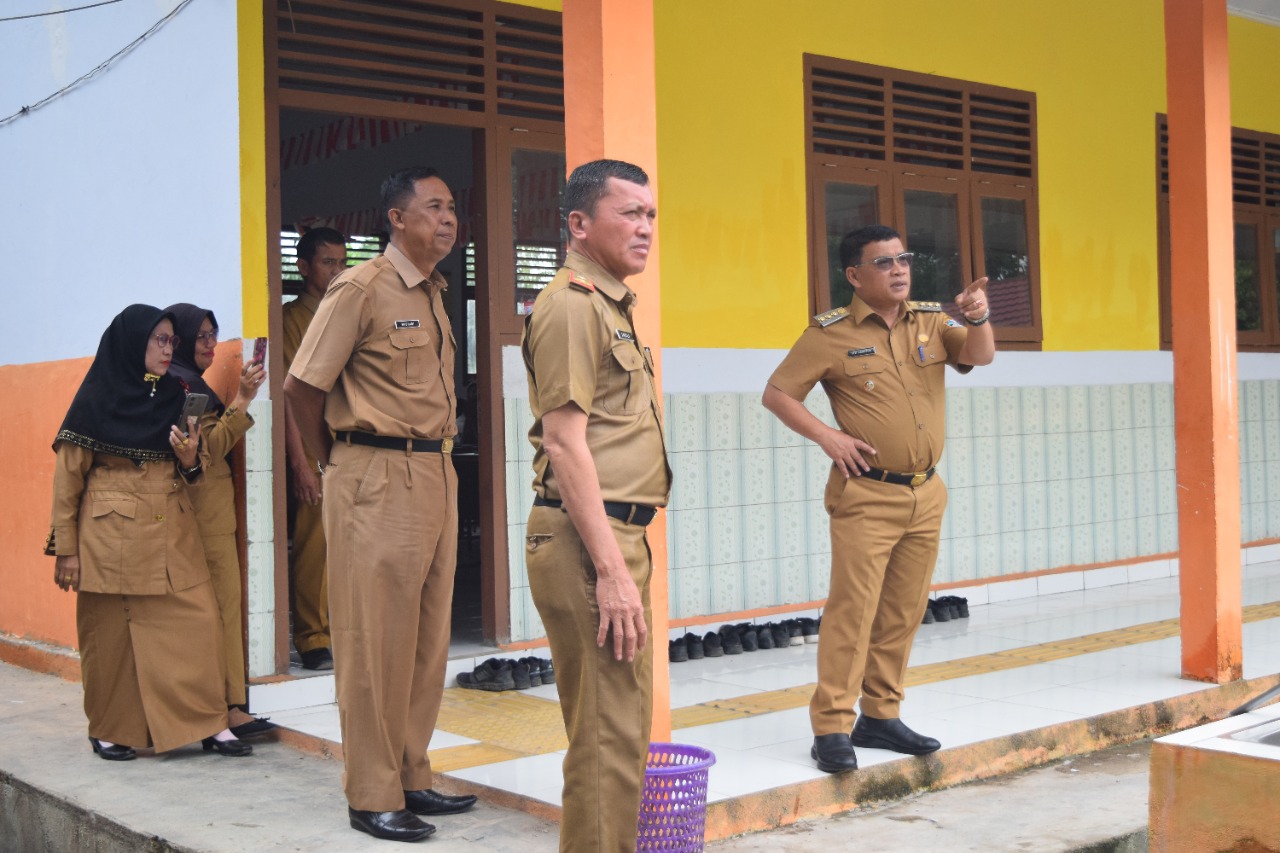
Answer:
(331, 168)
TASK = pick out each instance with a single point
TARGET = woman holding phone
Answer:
(221, 427)
(125, 537)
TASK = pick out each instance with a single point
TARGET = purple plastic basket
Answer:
(673, 806)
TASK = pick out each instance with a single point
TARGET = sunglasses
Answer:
(884, 263)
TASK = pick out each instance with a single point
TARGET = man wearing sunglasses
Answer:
(881, 361)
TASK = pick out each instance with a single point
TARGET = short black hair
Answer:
(590, 181)
(315, 238)
(399, 187)
(851, 245)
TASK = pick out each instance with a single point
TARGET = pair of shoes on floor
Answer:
(686, 648)
(540, 671)
(112, 752)
(320, 660)
(944, 608)
(499, 674)
(233, 748)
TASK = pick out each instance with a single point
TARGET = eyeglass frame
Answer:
(211, 335)
(168, 340)
(885, 263)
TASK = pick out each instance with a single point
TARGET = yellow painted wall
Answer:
(733, 222)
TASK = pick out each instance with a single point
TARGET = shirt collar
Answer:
(309, 301)
(409, 271)
(860, 310)
(604, 282)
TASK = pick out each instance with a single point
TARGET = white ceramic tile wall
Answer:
(260, 533)
(1038, 478)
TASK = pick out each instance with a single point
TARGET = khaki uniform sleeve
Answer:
(805, 365)
(567, 345)
(953, 338)
(70, 470)
(333, 335)
(219, 434)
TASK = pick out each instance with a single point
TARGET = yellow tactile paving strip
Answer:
(512, 725)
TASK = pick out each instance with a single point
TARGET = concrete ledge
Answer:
(40, 657)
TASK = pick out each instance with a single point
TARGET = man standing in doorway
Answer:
(322, 254)
(881, 361)
(600, 472)
(376, 368)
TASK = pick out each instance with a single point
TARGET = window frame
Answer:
(890, 179)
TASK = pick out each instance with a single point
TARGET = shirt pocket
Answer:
(867, 378)
(930, 359)
(628, 389)
(414, 359)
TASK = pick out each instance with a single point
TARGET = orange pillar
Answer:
(1204, 337)
(610, 111)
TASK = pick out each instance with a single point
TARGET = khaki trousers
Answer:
(607, 704)
(392, 522)
(884, 543)
(224, 573)
(308, 579)
(151, 667)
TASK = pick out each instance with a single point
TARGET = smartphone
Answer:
(259, 350)
(193, 408)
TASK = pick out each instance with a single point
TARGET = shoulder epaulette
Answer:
(924, 306)
(580, 282)
(835, 315)
(367, 271)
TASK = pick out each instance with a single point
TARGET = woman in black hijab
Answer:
(125, 537)
(221, 427)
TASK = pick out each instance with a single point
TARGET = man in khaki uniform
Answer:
(881, 362)
(322, 254)
(600, 470)
(376, 367)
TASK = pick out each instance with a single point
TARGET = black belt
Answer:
(912, 480)
(415, 445)
(630, 513)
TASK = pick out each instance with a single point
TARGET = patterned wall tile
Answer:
(686, 419)
(1009, 409)
(695, 592)
(1125, 495)
(789, 533)
(757, 539)
(1104, 542)
(1078, 409)
(1058, 457)
(532, 618)
(690, 488)
(817, 467)
(760, 579)
(1059, 495)
(1100, 453)
(959, 413)
(1011, 471)
(1258, 521)
(516, 545)
(1144, 450)
(510, 420)
(1273, 517)
(1032, 406)
(524, 423)
(1251, 407)
(757, 476)
(957, 462)
(1167, 533)
(962, 508)
(727, 592)
(1035, 506)
(1082, 536)
(1121, 405)
(1035, 459)
(1253, 448)
(1013, 554)
(1166, 492)
(1099, 407)
(726, 532)
(1257, 493)
(724, 477)
(722, 422)
(757, 424)
(1273, 481)
(1146, 498)
(1271, 400)
(987, 557)
(1141, 402)
(789, 475)
(689, 545)
(1012, 518)
(1060, 539)
(518, 630)
(1162, 404)
(1081, 453)
(985, 419)
(258, 514)
(257, 442)
(1271, 439)
(986, 509)
(986, 460)
(1103, 497)
(260, 587)
(1056, 419)
(1122, 451)
(1081, 490)
(1037, 550)
(819, 568)
(793, 580)
(964, 558)
(1148, 530)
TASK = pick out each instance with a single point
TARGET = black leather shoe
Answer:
(115, 752)
(320, 660)
(429, 802)
(256, 726)
(399, 825)
(678, 651)
(892, 734)
(234, 748)
(833, 753)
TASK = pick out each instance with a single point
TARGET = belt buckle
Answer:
(446, 445)
(918, 479)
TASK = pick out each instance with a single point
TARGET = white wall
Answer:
(127, 188)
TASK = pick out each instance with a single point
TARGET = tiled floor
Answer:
(768, 749)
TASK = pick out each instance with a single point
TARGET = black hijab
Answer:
(186, 324)
(117, 410)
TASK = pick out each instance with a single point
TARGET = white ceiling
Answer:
(1267, 11)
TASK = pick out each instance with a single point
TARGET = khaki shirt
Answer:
(215, 499)
(580, 347)
(886, 386)
(295, 318)
(382, 350)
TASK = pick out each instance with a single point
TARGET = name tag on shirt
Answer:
(855, 353)
(625, 336)
(408, 324)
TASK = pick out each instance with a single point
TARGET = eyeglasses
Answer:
(210, 337)
(163, 341)
(884, 263)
